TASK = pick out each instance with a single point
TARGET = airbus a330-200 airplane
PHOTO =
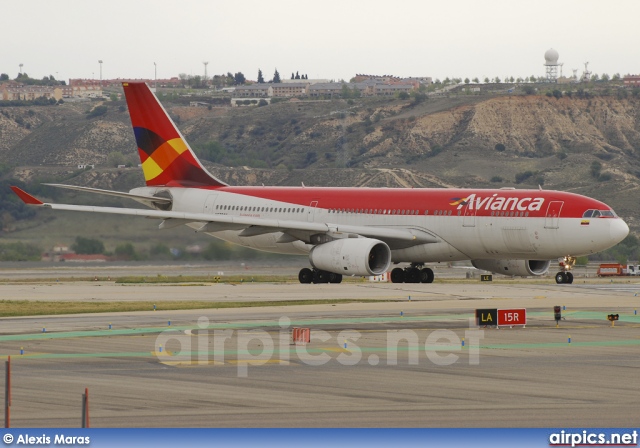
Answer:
(358, 231)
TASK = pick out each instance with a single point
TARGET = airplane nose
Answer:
(619, 230)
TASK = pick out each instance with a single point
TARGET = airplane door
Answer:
(209, 204)
(312, 210)
(552, 218)
(468, 216)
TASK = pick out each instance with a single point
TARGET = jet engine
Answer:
(352, 256)
(521, 268)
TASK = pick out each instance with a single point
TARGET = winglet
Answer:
(26, 197)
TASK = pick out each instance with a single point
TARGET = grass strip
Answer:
(14, 308)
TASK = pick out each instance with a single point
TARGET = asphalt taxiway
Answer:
(403, 364)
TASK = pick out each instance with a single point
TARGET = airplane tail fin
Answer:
(167, 159)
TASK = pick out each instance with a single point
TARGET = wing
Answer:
(149, 201)
(396, 238)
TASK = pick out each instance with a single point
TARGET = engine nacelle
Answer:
(352, 256)
(521, 268)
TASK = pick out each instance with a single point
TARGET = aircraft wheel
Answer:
(335, 278)
(426, 275)
(569, 277)
(412, 275)
(321, 277)
(561, 277)
(305, 275)
(397, 275)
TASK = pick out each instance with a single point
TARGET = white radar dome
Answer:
(551, 56)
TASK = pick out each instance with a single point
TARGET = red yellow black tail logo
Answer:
(167, 159)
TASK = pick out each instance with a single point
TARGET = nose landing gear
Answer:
(565, 276)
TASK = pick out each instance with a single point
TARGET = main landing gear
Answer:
(412, 274)
(565, 276)
(307, 275)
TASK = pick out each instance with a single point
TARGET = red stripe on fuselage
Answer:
(485, 202)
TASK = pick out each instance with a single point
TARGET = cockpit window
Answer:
(599, 214)
(588, 214)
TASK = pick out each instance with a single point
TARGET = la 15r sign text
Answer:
(511, 317)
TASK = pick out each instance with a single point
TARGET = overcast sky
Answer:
(330, 39)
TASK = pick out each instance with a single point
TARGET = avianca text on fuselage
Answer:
(498, 203)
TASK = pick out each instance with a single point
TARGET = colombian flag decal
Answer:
(584, 222)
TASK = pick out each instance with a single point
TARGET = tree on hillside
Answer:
(4, 77)
(97, 111)
(466, 80)
(196, 82)
(486, 80)
(116, 158)
(126, 251)
(239, 78)
(604, 77)
(346, 92)
(260, 77)
(293, 76)
(87, 246)
(476, 80)
(298, 76)
(276, 77)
